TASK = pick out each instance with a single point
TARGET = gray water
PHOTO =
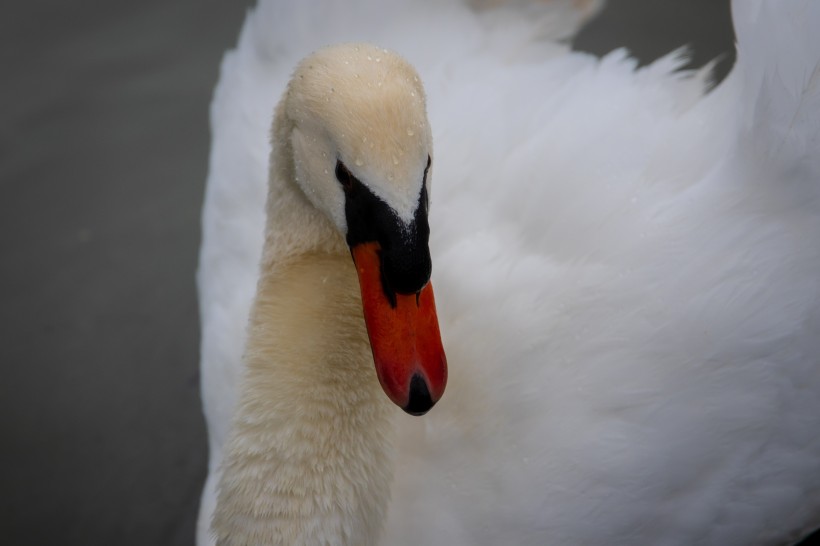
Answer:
(103, 154)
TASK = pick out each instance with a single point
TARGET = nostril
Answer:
(419, 401)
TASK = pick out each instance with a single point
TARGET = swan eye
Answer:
(344, 176)
(424, 184)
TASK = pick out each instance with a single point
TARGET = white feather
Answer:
(627, 274)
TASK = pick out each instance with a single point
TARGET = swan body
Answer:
(625, 273)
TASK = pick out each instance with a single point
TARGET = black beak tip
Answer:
(420, 400)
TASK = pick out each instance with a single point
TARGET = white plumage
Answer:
(627, 274)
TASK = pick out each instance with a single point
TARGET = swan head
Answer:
(362, 155)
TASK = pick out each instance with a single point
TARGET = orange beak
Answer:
(405, 338)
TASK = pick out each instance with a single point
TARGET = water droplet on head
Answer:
(359, 162)
(378, 59)
(412, 93)
(325, 171)
(410, 132)
(369, 58)
(395, 160)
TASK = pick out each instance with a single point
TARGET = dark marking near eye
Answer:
(424, 182)
(344, 176)
(405, 255)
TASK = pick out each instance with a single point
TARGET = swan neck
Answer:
(309, 457)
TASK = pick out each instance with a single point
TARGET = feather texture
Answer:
(626, 271)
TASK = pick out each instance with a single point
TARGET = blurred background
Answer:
(103, 155)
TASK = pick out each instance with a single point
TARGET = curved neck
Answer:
(308, 461)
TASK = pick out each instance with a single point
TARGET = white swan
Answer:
(626, 276)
